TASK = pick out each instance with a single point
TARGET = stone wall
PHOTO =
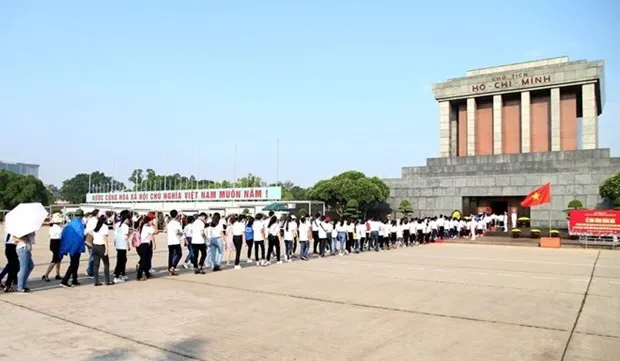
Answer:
(438, 187)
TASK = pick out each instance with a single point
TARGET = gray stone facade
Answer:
(438, 187)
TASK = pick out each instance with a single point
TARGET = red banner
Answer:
(592, 222)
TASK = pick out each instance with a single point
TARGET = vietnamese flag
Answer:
(540, 196)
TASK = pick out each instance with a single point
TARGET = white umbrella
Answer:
(24, 219)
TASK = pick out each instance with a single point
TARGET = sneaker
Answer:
(289, 260)
(98, 284)
(125, 278)
(249, 261)
(237, 267)
(279, 262)
(119, 280)
(91, 277)
(76, 283)
(153, 270)
(65, 285)
(57, 278)
(24, 290)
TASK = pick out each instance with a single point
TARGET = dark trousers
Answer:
(99, 255)
(261, 245)
(249, 243)
(12, 266)
(349, 243)
(317, 241)
(406, 237)
(145, 251)
(200, 254)
(323, 246)
(72, 270)
(274, 243)
(362, 243)
(288, 249)
(121, 263)
(174, 256)
(294, 247)
(190, 251)
(238, 242)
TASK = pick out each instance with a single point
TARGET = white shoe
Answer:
(237, 267)
(279, 262)
(290, 260)
(185, 266)
(125, 278)
(266, 263)
(228, 263)
(249, 261)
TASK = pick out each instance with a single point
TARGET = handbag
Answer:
(89, 240)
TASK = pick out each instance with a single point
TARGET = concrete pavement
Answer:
(436, 302)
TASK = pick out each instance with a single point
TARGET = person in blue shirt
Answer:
(249, 236)
(72, 243)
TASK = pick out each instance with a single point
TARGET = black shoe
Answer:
(65, 285)
(8, 289)
(75, 283)
(57, 278)
(45, 278)
(217, 268)
(110, 284)
(98, 284)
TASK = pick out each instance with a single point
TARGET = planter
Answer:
(516, 233)
(535, 233)
(549, 242)
(554, 233)
(523, 222)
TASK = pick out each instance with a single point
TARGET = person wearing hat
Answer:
(72, 242)
(55, 233)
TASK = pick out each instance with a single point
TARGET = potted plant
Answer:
(554, 233)
(523, 222)
(516, 233)
(535, 233)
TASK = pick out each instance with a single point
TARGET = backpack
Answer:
(134, 238)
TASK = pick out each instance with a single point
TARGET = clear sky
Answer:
(117, 85)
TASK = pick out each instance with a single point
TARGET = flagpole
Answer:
(277, 160)
(235, 168)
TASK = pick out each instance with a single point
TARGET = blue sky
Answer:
(118, 85)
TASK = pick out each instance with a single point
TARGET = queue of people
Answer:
(209, 238)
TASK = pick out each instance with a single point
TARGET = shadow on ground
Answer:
(188, 349)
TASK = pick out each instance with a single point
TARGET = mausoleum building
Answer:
(505, 131)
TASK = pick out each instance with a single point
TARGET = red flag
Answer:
(540, 196)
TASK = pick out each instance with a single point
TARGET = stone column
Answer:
(589, 121)
(525, 122)
(497, 124)
(555, 120)
(444, 128)
(454, 131)
(471, 126)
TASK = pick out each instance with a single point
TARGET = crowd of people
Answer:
(211, 238)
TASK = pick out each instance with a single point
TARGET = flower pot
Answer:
(535, 235)
(516, 234)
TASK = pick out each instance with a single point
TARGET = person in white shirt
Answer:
(339, 236)
(360, 236)
(100, 250)
(322, 233)
(89, 226)
(55, 233)
(349, 228)
(216, 244)
(258, 228)
(199, 243)
(375, 228)
(305, 234)
(315, 224)
(237, 228)
(472, 228)
(273, 238)
(290, 233)
(147, 246)
(187, 233)
(121, 243)
(174, 234)
(393, 229)
(400, 231)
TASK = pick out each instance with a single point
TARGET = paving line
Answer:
(508, 275)
(583, 302)
(614, 282)
(578, 280)
(544, 278)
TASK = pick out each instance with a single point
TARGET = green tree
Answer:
(617, 203)
(54, 191)
(575, 204)
(74, 190)
(16, 188)
(610, 188)
(405, 208)
(303, 212)
(337, 191)
(352, 209)
(136, 177)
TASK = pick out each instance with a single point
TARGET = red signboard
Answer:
(594, 222)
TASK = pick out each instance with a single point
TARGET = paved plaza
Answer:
(437, 302)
